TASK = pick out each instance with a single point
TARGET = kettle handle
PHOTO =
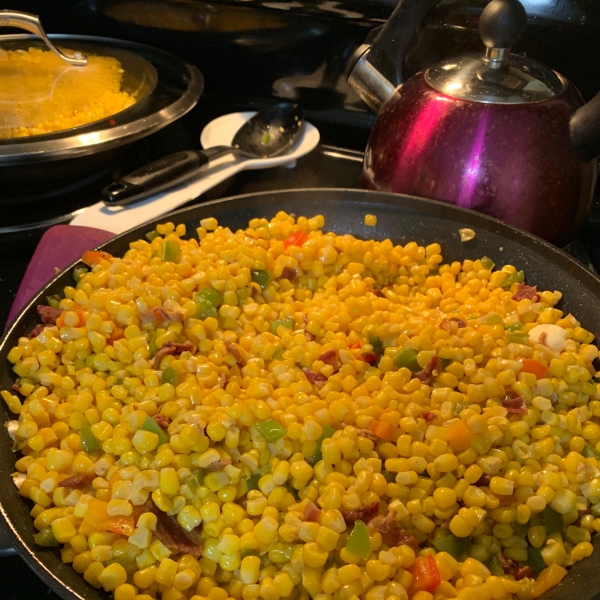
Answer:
(585, 129)
(390, 47)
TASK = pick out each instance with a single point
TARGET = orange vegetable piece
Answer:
(121, 525)
(295, 239)
(117, 334)
(60, 322)
(426, 576)
(93, 257)
(533, 366)
(382, 430)
(459, 436)
(95, 517)
(547, 579)
(355, 346)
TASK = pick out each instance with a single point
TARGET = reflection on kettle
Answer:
(494, 132)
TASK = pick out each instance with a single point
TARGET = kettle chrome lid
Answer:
(497, 76)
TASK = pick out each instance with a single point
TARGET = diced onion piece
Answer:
(551, 336)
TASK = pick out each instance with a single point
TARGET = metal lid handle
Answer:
(31, 23)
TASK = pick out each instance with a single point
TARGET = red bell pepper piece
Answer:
(295, 239)
(533, 366)
(426, 576)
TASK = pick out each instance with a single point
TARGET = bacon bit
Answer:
(509, 566)
(16, 386)
(391, 534)
(235, 352)
(524, 572)
(543, 337)
(223, 380)
(364, 514)
(77, 482)
(431, 371)
(515, 405)
(172, 534)
(49, 314)
(483, 481)
(377, 293)
(288, 273)
(332, 357)
(429, 416)
(369, 357)
(218, 465)
(309, 336)
(162, 421)
(526, 292)
(317, 378)
(311, 513)
(445, 325)
(171, 348)
(38, 329)
(459, 322)
(117, 334)
(160, 314)
(305, 319)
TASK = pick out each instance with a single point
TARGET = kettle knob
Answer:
(502, 23)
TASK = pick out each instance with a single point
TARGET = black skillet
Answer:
(401, 219)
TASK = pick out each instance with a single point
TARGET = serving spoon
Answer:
(271, 132)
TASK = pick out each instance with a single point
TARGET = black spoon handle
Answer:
(158, 175)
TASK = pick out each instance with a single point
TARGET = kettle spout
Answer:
(373, 88)
(585, 129)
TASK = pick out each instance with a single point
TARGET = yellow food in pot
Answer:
(40, 93)
(279, 412)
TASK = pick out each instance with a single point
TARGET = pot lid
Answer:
(46, 88)
(497, 76)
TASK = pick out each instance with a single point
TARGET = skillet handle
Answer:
(158, 175)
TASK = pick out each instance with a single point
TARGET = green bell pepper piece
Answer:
(495, 566)
(589, 451)
(209, 293)
(487, 263)
(152, 347)
(124, 560)
(191, 482)
(377, 344)
(205, 308)
(53, 301)
(359, 542)
(493, 320)
(242, 295)
(454, 546)
(88, 441)
(150, 424)
(46, 538)
(169, 375)
(554, 521)
(152, 235)
(514, 326)
(318, 454)
(446, 362)
(460, 406)
(260, 277)
(79, 273)
(271, 430)
(518, 277)
(171, 251)
(278, 354)
(517, 337)
(275, 325)
(407, 357)
(521, 529)
(389, 477)
(535, 560)
(252, 483)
